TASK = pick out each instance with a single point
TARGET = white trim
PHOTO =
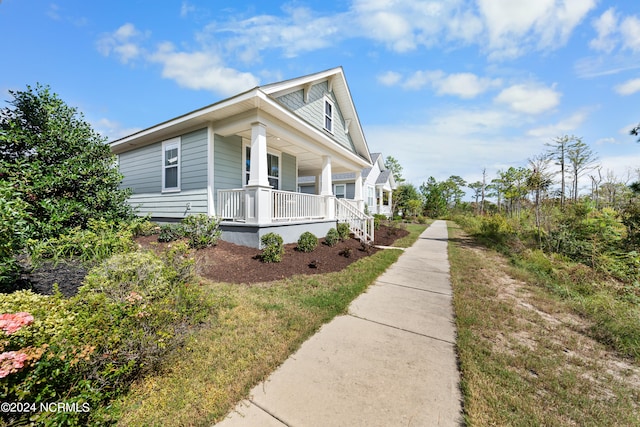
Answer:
(169, 144)
(270, 151)
(325, 116)
(344, 190)
(211, 208)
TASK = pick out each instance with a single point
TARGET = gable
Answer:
(313, 111)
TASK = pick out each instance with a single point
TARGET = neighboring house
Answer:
(240, 159)
(377, 187)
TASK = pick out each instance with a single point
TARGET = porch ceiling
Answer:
(309, 162)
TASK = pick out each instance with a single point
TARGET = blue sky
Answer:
(447, 87)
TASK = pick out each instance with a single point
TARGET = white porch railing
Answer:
(290, 206)
(231, 204)
(285, 205)
(360, 224)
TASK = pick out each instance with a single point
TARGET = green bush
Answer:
(170, 232)
(63, 167)
(273, 247)
(144, 227)
(332, 238)
(201, 230)
(99, 241)
(307, 242)
(13, 229)
(378, 219)
(132, 310)
(343, 230)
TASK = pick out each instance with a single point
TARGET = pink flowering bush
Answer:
(12, 322)
(132, 309)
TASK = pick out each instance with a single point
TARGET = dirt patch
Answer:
(542, 325)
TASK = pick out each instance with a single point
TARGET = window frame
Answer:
(166, 146)
(344, 191)
(246, 155)
(328, 118)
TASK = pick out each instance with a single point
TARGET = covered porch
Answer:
(261, 205)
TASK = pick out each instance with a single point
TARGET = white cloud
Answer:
(563, 127)
(124, 43)
(476, 138)
(299, 30)
(529, 98)
(630, 31)
(390, 78)
(629, 87)
(515, 27)
(201, 70)
(606, 27)
(186, 8)
(463, 85)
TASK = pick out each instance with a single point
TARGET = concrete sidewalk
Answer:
(390, 362)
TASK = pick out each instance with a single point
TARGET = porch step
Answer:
(360, 224)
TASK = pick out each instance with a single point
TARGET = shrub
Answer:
(343, 230)
(66, 172)
(144, 227)
(332, 237)
(377, 220)
(273, 247)
(201, 230)
(99, 241)
(307, 242)
(13, 229)
(170, 232)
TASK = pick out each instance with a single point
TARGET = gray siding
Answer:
(170, 205)
(351, 191)
(289, 172)
(313, 112)
(142, 169)
(227, 163)
(194, 161)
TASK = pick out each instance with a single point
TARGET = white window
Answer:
(273, 168)
(371, 196)
(171, 165)
(340, 191)
(328, 115)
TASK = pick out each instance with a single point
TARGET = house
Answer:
(239, 159)
(377, 187)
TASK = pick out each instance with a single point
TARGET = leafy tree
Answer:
(63, 169)
(396, 169)
(434, 194)
(453, 190)
(401, 197)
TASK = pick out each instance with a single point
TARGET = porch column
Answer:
(258, 174)
(326, 184)
(380, 202)
(258, 191)
(326, 188)
(357, 196)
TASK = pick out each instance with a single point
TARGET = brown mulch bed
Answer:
(224, 262)
(231, 263)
